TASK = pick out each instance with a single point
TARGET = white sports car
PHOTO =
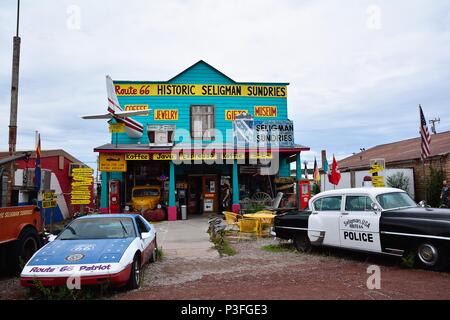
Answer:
(95, 249)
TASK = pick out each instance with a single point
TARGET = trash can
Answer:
(183, 212)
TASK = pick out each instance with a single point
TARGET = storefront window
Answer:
(202, 122)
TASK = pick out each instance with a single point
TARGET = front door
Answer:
(323, 223)
(359, 224)
(210, 194)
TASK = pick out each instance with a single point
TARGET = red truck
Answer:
(20, 235)
(21, 232)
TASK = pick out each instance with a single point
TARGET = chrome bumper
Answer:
(272, 232)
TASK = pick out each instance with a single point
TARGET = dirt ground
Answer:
(256, 274)
(260, 275)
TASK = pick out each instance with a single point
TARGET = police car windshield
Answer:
(395, 200)
(99, 228)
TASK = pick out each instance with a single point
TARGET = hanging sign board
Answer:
(116, 127)
(276, 132)
(112, 162)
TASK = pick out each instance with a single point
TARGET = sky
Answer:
(357, 69)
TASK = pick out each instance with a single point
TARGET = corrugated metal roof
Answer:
(398, 151)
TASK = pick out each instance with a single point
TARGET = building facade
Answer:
(56, 166)
(208, 142)
(406, 154)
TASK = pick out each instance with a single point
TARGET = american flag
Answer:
(425, 136)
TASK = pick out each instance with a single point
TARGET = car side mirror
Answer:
(145, 235)
(51, 237)
(423, 204)
(375, 207)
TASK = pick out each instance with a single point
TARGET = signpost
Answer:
(82, 181)
(377, 167)
(49, 200)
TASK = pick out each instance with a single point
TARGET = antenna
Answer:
(433, 124)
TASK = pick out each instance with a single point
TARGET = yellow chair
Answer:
(231, 218)
(247, 225)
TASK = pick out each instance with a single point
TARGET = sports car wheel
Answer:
(302, 243)
(135, 275)
(432, 256)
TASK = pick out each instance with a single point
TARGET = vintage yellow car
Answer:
(145, 197)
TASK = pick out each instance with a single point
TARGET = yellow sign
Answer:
(164, 156)
(165, 114)
(117, 127)
(137, 107)
(260, 155)
(265, 112)
(48, 204)
(137, 156)
(82, 170)
(230, 115)
(155, 89)
(378, 181)
(233, 156)
(198, 156)
(80, 196)
(81, 191)
(48, 196)
(112, 162)
(375, 169)
(81, 183)
(84, 201)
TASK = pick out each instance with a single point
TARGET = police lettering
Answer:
(358, 236)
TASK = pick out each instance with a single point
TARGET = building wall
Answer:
(421, 173)
(200, 74)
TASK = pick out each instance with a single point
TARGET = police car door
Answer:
(359, 224)
(323, 223)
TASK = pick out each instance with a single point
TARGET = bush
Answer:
(398, 180)
(434, 187)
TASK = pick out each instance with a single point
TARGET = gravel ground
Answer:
(260, 275)
(257, 274)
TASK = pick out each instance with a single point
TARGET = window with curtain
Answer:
(202, 122)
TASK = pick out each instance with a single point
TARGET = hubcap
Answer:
(137, 271)
(428, 254)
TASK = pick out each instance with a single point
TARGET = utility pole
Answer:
(433, 124)
(13, 112)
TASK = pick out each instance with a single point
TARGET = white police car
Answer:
(379, 220)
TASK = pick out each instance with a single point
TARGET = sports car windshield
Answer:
(145, 193)
(99, 228)
(395, 200)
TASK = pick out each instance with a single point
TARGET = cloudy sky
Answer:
(357, 69)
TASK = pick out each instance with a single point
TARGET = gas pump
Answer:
(114, 198)
(305, 193)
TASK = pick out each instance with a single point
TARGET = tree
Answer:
(434, 185)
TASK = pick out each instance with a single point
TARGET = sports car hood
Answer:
(91, 251)
(419, 213)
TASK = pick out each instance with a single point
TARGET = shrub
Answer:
(434, 186)
(398, 180)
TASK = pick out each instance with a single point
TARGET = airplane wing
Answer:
(124, 114)
(98, 116)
